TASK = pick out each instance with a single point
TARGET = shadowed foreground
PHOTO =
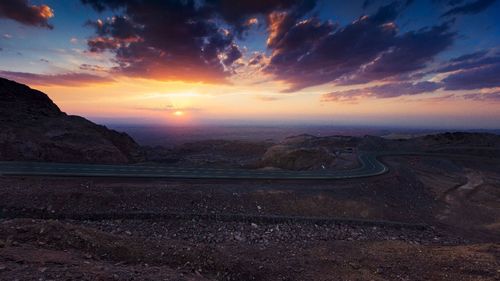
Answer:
(50, 230)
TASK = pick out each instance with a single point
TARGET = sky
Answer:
(427, 63)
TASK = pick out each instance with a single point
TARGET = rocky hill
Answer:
(33, 128)
(306, 152)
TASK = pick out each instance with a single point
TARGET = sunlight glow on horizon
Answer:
(320, 65)
(191, 104)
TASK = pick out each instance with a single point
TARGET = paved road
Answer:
(370, 166)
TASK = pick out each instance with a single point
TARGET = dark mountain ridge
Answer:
(33, 128)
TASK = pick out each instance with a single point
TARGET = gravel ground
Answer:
(460, 241)
(263, 235)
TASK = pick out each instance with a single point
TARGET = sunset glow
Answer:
(283, 64)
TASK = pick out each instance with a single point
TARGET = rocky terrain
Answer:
(210, 153)
(430, 218)
(308, 152)
(33, 128)
(434, 216)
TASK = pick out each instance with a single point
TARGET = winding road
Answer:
(370, 166)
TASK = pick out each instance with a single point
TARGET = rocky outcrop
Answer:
(210, 153)
(297, 158)
(306, 152)
(33, 128)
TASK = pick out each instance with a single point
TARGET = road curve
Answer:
(370, 166)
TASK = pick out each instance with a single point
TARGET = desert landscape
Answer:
(249, 140)
(435, 215)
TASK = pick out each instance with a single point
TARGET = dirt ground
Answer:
(122, 229)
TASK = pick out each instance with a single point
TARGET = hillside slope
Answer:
(33, 128)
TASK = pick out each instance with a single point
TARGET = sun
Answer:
(178, 113)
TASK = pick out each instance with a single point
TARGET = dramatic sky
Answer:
(420, 63)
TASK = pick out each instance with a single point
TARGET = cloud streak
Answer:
(494, 97)
(64, 79)
(474, 7)
(478, 70)
(389, 90)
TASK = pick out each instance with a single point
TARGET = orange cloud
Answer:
(21, 11)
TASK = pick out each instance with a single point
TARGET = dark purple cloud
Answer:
(410, 52)
(164, 40)
(478, 70)
(195, 41)
(469, 8)
(118, 27)
(256, 59)
(469, 61)
(176, 39)
(237, 13)
(449, 2)
(471, 56)
(312, 52)
(64, 79)
(389, 90)
(181, 40)
(368, 3)
(474, 78)
(25, 13)
(232, 55)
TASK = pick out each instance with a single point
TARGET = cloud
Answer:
(268, 98)
(238, 13)
(165, 40)
(232, 55)
(368, 3)
(469, 61)
(182, 40)
(65, 79)
(449, 2)
(410, 52)
(23, 12)
(477, 70)
(93, 67)
(495, 97)
(256, 59)
(311, 52)
(470, 8)
(474, 78)
(389, 90)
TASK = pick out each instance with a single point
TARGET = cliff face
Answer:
(33, 128)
